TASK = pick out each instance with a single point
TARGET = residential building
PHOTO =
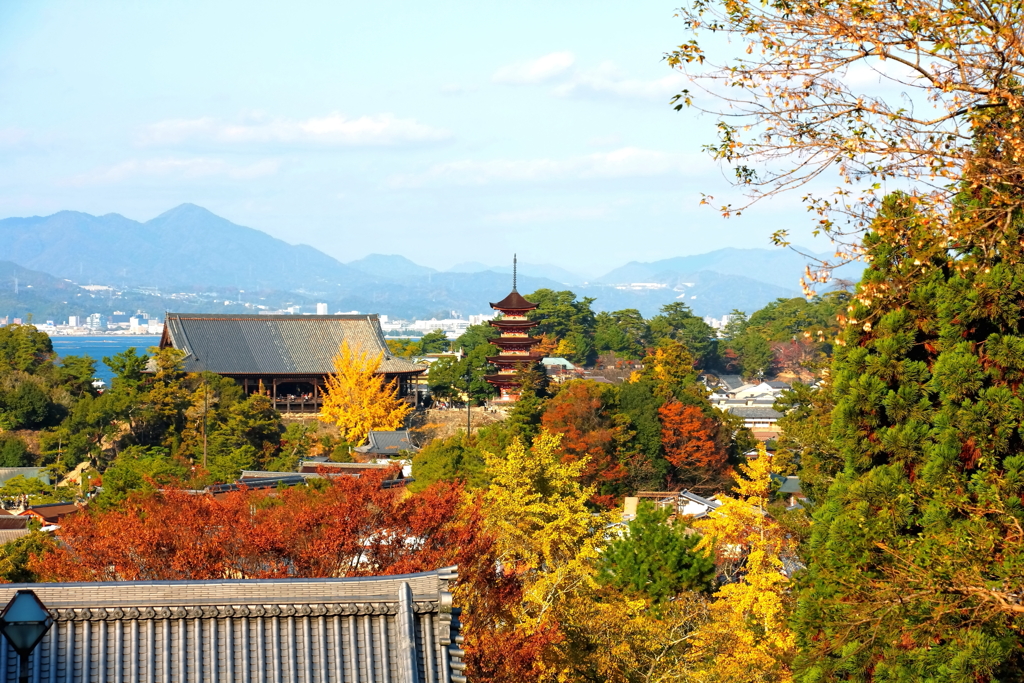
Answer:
(97, 322)
(682, 503)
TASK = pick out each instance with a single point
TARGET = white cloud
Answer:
(335, 129)
(621, 163)
(535, 71)
(182, 168)
(608, 79)
(603, 80)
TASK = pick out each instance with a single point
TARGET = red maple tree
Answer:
(342, 526)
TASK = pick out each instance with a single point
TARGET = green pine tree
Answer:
(656, 559)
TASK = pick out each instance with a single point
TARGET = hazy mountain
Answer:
(780, 267)
(205, 260)
(469, 267)
(390, 266)
(545, 270)
(185, 247)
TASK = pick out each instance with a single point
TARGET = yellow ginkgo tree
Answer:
(746, 637)
(358, 399)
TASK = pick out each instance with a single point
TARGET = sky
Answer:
(445, 132)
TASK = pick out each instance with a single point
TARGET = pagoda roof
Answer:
(515, 341)
(512, 323)
(532, 358)
(514, 302)
(509, 380)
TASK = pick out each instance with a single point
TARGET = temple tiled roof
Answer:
(276, 344)
(514, 302)
(401, 629)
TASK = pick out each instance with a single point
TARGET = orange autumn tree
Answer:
(358, 399)
(577, 412)
(688, 437)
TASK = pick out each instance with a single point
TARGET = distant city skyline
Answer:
(444, 133)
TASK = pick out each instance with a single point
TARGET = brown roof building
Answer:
(51, 513)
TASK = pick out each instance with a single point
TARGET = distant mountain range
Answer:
(190, 259)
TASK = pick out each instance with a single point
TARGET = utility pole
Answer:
(206, 407)
(469, 416)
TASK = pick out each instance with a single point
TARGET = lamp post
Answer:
(24, 622)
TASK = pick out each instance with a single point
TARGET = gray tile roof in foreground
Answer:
(275, 344)
(393, 629)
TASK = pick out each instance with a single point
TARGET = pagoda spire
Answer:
(514, 266)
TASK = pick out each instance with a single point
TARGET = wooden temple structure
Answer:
(286, 357)
(515, 345)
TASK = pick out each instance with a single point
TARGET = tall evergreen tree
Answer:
(916, 556)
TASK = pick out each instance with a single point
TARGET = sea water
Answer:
(98, 346)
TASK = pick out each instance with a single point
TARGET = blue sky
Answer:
(443, 131)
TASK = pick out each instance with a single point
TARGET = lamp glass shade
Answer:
(25, 621)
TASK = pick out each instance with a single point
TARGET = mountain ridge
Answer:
(191, 250)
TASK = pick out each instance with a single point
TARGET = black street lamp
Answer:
(24, 622)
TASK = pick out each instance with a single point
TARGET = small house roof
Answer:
(8, 535)
(731, 382)
(712, 504)
(351, 468)
(387, 443)
(558, 362)
(754, 412)
(791, 485)
(51, 512)
(13, 522)
(276, 344)
(514, 302)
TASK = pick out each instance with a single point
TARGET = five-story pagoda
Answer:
(514, 343)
